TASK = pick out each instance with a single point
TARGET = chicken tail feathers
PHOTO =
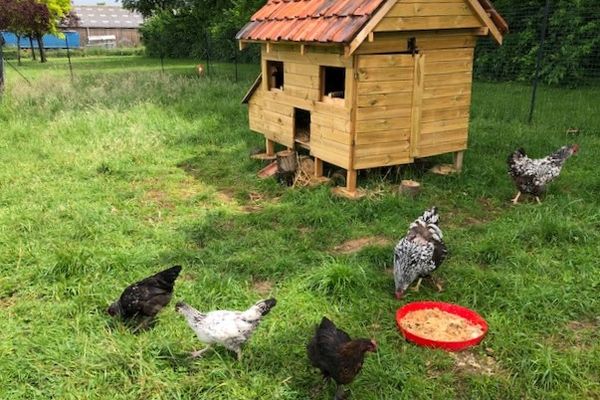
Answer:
(169, 275)
(326, 324)
(430, 216)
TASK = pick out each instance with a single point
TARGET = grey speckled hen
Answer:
(420, 252)
(228, 328)
(532, 175)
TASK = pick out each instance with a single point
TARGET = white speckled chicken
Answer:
(228, 328)
(420, 252)
(532, 175)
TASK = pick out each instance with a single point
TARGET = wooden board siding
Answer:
(395, 42)
(446, 101)
(272, 112)
(383, 115)
(412, 15)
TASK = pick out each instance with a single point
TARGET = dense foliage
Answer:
(27, 18)
(200, 29)
(571, 49)
(177, 28)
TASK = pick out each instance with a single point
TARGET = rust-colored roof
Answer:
(494, 16)
(336, 21)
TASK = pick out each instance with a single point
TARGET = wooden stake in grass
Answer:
(286, 165)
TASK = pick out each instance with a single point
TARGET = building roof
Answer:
(324, 21)
(107, 17)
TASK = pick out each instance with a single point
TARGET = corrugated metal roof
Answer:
(322, 21)
(107, 17)
(336, 21)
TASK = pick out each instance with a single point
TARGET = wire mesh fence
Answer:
(565, 36)
(551, 43)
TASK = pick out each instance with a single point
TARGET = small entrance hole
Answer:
(302, 126)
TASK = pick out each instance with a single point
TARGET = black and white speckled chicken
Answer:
(420, 252)
(532, 175)
(338, 356)
(230, 329)
(144, 299)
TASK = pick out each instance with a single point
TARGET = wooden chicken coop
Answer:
(366, 83)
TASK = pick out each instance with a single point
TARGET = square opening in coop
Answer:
(275, 74)
(334, 82)
(302, 126)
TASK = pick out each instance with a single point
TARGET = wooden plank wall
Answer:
(383, 118)
(446, 96)
(412, 15)
(272, 112)
(446, 101)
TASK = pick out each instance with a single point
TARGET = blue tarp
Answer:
(50, 41)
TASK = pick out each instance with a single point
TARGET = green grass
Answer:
(128, 170)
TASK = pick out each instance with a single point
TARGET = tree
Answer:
(27, 18)
(57, 11)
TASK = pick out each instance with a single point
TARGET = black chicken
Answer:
(144, 299)
(337, 355)
(532, 175)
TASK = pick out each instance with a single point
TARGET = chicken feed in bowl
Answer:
(438, 325)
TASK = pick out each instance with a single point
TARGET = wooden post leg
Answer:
(318, 167)
(351, 181)
(270, 147)
(458, 160)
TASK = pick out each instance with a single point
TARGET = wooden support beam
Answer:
(302, 49)
(318, 167)
(371, 36)
(417, 100)
(458, 160)
(482, 31)
(368, 28)
(351, 180)
(270, 147)
(242, 44)
(268, 47)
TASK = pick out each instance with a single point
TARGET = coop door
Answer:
(387, 119)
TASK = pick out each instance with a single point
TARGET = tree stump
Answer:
(410, 188)
(287, 163)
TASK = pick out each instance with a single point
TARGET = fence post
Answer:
(538, 62)
(207, 55)
(235, 60)
(1, 63)
(69, 56)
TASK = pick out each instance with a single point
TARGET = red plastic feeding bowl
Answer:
(462, 312)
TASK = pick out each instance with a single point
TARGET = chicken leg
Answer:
(340, 393)
(516, 199)
(416, 288)
(143, 325)
(436, 283)
(198, 353)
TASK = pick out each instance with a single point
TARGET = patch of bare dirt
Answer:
(187, 277)
(354, 245)
(262, 287)
(7, 302)
(226, 196)
(159, 198)
(469, 362)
